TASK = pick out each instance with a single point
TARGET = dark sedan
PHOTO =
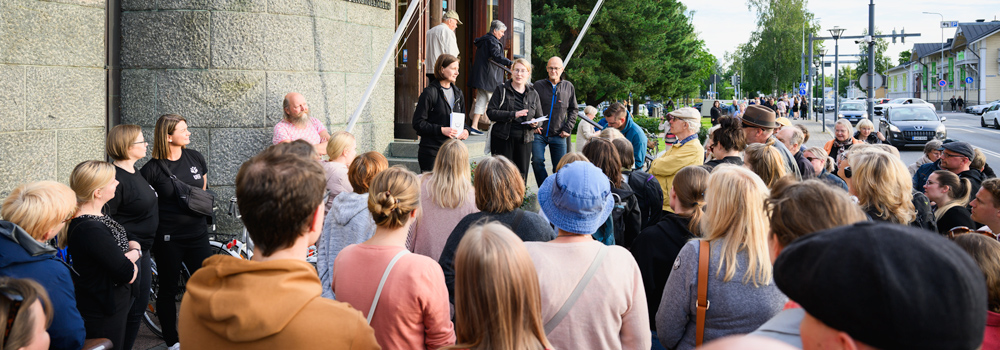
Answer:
(911, 124)
(853, 111)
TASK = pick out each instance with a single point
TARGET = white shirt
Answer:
(440, 40)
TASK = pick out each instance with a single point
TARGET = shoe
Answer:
(176, 346)
(474, 131)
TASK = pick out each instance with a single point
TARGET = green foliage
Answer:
(645, 47)
(882, 61)
(650, 125)
(770, 61)
(904, 57)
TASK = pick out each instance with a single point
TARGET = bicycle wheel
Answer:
(149, 317)
(219, 248)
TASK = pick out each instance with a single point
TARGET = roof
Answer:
(899, 67)
(923, 49)
(974, 31)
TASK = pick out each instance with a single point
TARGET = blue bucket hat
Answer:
(577, 199)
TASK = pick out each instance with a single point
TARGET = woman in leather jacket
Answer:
(513, 103)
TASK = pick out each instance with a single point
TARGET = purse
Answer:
(196, 199)
(703, 304)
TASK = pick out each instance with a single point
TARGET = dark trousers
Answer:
(515, 150)
(169, 256)
(140, 288)
(426, 156)
(110, 326)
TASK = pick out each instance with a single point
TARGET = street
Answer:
(961, 127)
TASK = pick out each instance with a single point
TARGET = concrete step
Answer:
(409, 148)
(409, 163)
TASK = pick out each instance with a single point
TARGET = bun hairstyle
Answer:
(393, 195)
(730, 135)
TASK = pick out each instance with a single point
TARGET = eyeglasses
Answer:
(522, 71)
(953, 155)
(929, 182)
(553, 68)
(961, 230)
(15, 305)
(70, 217)
(847, 172)
(142, 142)
(812, 158)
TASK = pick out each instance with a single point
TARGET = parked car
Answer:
(979, 109)
(853, 111)
(900, 101)
(817, 104)
(911, 124)
(990, 117)
(829, 104)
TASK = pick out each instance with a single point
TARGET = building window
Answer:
(519, 51)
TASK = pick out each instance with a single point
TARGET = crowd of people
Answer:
(736, 243)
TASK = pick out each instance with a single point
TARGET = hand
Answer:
(132, 255)
(463, 135)
(324, 137)
(452, 133)
(880, 136)
(134, 245)
(563, 134)
(521, 113)
(537, 129)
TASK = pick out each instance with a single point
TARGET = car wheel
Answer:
(982, 122)
(995, 125)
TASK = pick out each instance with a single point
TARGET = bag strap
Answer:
(163, 166)
(703, 304)
(517, 219)
(580, 286)
(385, 275)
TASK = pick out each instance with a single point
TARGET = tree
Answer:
(904, 57)
(648, 48)
(882, 61)
(770, 61)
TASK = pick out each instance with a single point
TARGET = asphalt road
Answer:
(961, 127)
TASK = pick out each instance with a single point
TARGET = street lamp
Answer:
(836, 32)
(822, 63)
(940, 71)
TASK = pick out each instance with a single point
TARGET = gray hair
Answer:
(497, 25)
(693, 124)
(847, 124)
(819, 152)
(797, 136)
(931, 146)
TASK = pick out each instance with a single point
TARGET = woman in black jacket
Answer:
(513, 103)
(432, 118)
(627, 221)
(103, 257)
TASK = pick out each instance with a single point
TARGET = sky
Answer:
(724, 24)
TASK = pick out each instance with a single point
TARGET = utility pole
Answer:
(871, 60)
(940, 71)
(836, 32)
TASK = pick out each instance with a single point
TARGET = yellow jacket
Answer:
(676, 158)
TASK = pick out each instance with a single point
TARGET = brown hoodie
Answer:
(276, 304)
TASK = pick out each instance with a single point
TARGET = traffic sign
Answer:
(863, 81)
(802, 91)
(942, 83)
(968, 80)
(949, 24)
(802, 86)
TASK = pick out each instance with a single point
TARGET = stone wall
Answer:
(51, 88)
(522, 11)
(225, 65)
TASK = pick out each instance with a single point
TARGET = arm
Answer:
(639, 148)
(280, 134)
(495, 110)
(421, 121)
(496, 55)
(438, 329)
(571, 111)
(679, 294)
(96, 239)
(635, 321)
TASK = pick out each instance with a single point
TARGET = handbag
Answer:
(703, 304)
(196, 199)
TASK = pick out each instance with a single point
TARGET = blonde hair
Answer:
(865, 124)
(89, 176)
(120, 139)
(497, 298)
(610, 133)
(393, 195)
(736, 217)
(569, 158)
(165, 127)
(978, 160)
(451, 179)
(339, 142)
(766, 161)
(589, 110)
(22, 328)
(524, 62)
(882, 185)
(37, 207)
(499, 188)
(689, 186)
(847, 124)
(819, 152)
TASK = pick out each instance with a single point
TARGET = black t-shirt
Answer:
(176, 220)
(135, 207)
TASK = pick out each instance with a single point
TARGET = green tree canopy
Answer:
(904, 57)
(770, 61)
(882, 61)
(645, 47)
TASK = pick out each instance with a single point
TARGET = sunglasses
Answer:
(15, 305)
(961, 230)
(812, 158)
(847, 172)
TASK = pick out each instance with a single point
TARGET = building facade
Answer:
(974, 52)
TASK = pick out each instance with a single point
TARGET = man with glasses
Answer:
(759, 124)
(558, 98)
(956, 157)
(986, 205)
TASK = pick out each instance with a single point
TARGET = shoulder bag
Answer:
(198, 200)
(385, 275)
(703, 304)
(551, 324)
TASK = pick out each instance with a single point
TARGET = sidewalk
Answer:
(817, 137)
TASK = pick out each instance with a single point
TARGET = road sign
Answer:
(802, 86)
(949, 24)
(942, 83)
(863, 81)
(968, 80)
(802, 91)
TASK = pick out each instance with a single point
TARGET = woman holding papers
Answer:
(514, 104)
(440, 112)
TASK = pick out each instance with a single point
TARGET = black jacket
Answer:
(485, 75)
(502, 110)
(563, 115)
(975, 179)
(649, 193)
(434, 113)
(654, 251)
(632, 215)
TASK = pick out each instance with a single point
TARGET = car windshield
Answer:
(829, 101)
(912, 114)
(853, 107)
(897, 101)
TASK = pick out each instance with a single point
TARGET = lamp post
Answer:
(822, 63)
(836, 32)
(940, 71)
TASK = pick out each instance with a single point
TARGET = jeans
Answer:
(656, 343)
(141, 291)
(557, 149)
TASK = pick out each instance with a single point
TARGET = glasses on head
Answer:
(15, 305)
(847, 172)
(962, 230)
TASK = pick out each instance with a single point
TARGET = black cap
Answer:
(887, 285)
(963, 148)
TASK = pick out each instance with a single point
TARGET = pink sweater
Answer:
(610, 314)
(336, 181)
(432, 228)
(413, 311)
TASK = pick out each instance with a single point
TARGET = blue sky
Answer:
(724, 24)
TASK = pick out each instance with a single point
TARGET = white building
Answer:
(974, 52)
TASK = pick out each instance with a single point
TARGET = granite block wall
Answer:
(52, 88)
(225, 65)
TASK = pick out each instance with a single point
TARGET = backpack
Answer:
(650, 195)
(615, 223)
(925, 216)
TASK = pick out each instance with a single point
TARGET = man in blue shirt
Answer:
(617, 117)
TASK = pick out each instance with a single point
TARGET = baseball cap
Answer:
(452, 14)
